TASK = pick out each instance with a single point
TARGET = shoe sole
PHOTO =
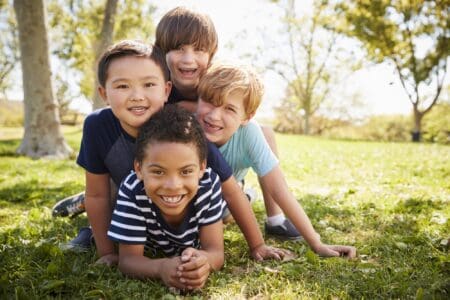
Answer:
(285, 238)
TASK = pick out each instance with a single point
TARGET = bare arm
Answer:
(99, 211)
(242, 212)
(275, 185)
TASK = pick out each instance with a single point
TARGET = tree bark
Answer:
(42, 134)
(417, 131)
(106, 38)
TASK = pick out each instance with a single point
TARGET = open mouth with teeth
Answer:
(188, 72)
(211, 127)
(138, 109)
(172, 200)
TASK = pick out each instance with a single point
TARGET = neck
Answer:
(189, 93)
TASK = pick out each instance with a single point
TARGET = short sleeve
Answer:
(128, 223)
(260, 156)
(90, 157)
(213, 210)
(217, 163)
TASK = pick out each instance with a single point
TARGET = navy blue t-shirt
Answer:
(175, 97)
(107, 148)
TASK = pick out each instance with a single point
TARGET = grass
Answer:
(389, 200)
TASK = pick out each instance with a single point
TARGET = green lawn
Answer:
(389, 200)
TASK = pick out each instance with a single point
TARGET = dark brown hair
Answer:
(181, 26)
(130, 48)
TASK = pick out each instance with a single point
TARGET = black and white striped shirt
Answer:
(137, 220)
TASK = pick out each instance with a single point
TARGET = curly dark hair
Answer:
(171, 124)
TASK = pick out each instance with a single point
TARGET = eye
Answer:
(230, 108)
(149, 84)
(157, 172)
(121, 86)
(200, 49)
(187, 171)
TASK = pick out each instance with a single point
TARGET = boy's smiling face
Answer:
(171, 172)
(221, 122)
(187, 65)
(135, 89)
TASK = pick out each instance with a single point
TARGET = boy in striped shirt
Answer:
(171, 203)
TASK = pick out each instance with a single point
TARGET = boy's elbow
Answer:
(218, 261)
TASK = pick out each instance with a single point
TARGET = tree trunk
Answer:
(306, 118)
(42, 134)
(106, 38)
(416, 133)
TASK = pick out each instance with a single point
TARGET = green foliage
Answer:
(413, 35)
(314, 62)
(437, 124)
(9, 44)
(11, 113)
(389, 200)
(76, 28)
(387, 128)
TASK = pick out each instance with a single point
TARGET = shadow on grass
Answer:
(25, 193)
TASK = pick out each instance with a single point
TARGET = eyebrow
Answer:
(183, 167)
(142, 78)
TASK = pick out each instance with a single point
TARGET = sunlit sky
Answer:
(378, 85)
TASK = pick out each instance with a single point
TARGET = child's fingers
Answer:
(187, 254)
(194, 283)
(193, 264)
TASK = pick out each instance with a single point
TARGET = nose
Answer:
(172, 182)
(137, 94)
(214, 113)
(188, 55)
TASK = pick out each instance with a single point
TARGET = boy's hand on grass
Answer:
(336, 250)
(108, 259)
(263, 252)
(194, 268)
(169, 273)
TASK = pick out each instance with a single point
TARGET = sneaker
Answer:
(285, 231)
(82, 243)
(251, 194)
(71, 206)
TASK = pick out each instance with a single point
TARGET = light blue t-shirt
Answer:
(248, 148)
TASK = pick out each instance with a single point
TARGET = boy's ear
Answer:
(245, 121)
(102, 92)
(137, 169)
(168, 89)
(202, 169)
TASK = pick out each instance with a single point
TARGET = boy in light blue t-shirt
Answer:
(228, 98)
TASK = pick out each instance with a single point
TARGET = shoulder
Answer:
(100, 116)
(131, 183)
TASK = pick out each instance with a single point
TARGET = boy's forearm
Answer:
(99, 216)
(141, 267)
(215, 258)
(242, 212)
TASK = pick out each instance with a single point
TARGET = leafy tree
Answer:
(9, 45)
(312, 59)
(77, 30)
(42, 134)
(413, 35)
